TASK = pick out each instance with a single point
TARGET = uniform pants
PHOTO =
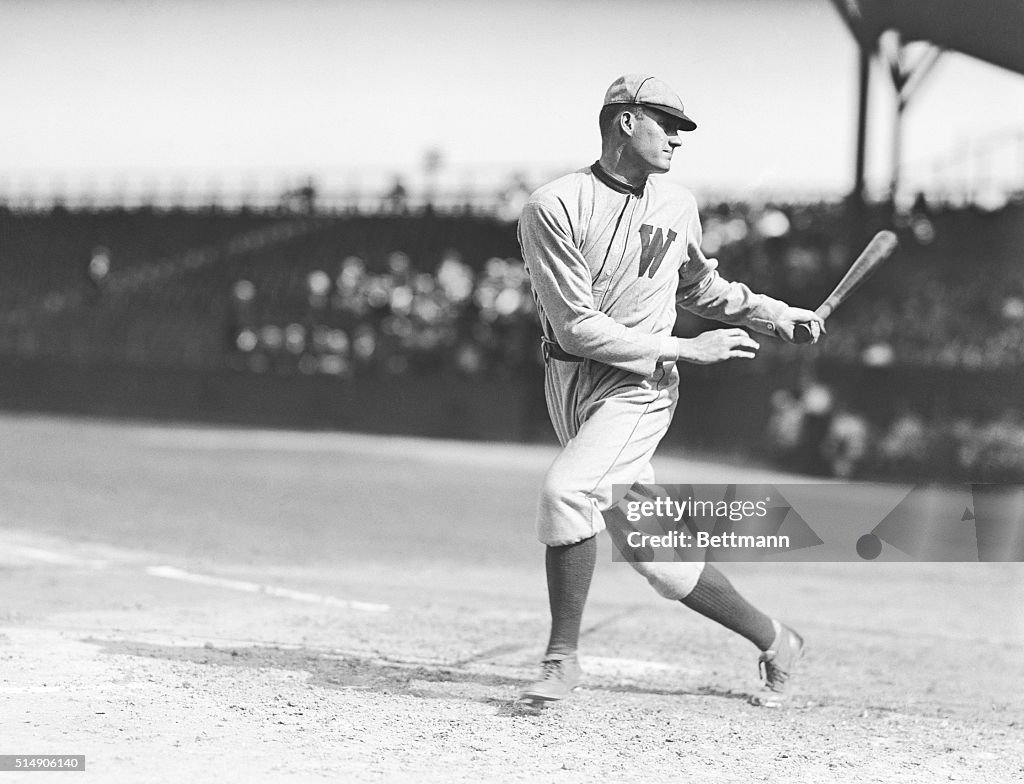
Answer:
(609, 422)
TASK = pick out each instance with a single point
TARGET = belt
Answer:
(554, 351)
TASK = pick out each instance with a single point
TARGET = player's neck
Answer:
(621, 168)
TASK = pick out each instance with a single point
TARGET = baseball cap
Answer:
(648, 91)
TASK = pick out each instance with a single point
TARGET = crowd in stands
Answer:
(952, 296)
(399, 295)
(386, 314)
(113, 285)
(392, 321)
(810, 431)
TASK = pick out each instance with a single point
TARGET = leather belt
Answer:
(554, 351)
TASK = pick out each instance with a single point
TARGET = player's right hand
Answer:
(718, 345)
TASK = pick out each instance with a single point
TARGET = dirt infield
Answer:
(200, 604)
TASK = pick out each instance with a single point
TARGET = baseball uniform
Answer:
(609, 263)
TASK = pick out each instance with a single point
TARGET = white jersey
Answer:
(610, 263)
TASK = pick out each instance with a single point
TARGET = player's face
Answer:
(655, 138)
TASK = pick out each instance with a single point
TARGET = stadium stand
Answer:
(919, 378)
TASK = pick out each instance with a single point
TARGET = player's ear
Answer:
(627, 122)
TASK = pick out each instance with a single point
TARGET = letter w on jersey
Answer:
(653, 248)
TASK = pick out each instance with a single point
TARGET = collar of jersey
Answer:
(614, 182)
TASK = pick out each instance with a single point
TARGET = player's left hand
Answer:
(786, 323)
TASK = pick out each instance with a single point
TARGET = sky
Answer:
(202, 90)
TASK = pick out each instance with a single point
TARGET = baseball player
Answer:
(611, 254)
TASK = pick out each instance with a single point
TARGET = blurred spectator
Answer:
(906, 443)
(786, 422)
(98, 270)
(816, 402)
(396, 201)
(301, 199)
(846, 443)
(319, 284)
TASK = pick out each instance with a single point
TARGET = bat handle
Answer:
(802, 332)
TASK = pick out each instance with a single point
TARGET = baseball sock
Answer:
(569, 569)
(714, 597)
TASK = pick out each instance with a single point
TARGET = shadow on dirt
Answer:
(519, 708)
(349, 671)
(329, 670)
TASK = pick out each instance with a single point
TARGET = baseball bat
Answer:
(878, 250)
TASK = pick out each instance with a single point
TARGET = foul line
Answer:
(49, 556)
(173, 573)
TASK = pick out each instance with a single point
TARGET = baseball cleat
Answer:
(777, 664)
(560, 675)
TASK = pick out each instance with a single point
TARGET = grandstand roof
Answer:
(992, 30)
